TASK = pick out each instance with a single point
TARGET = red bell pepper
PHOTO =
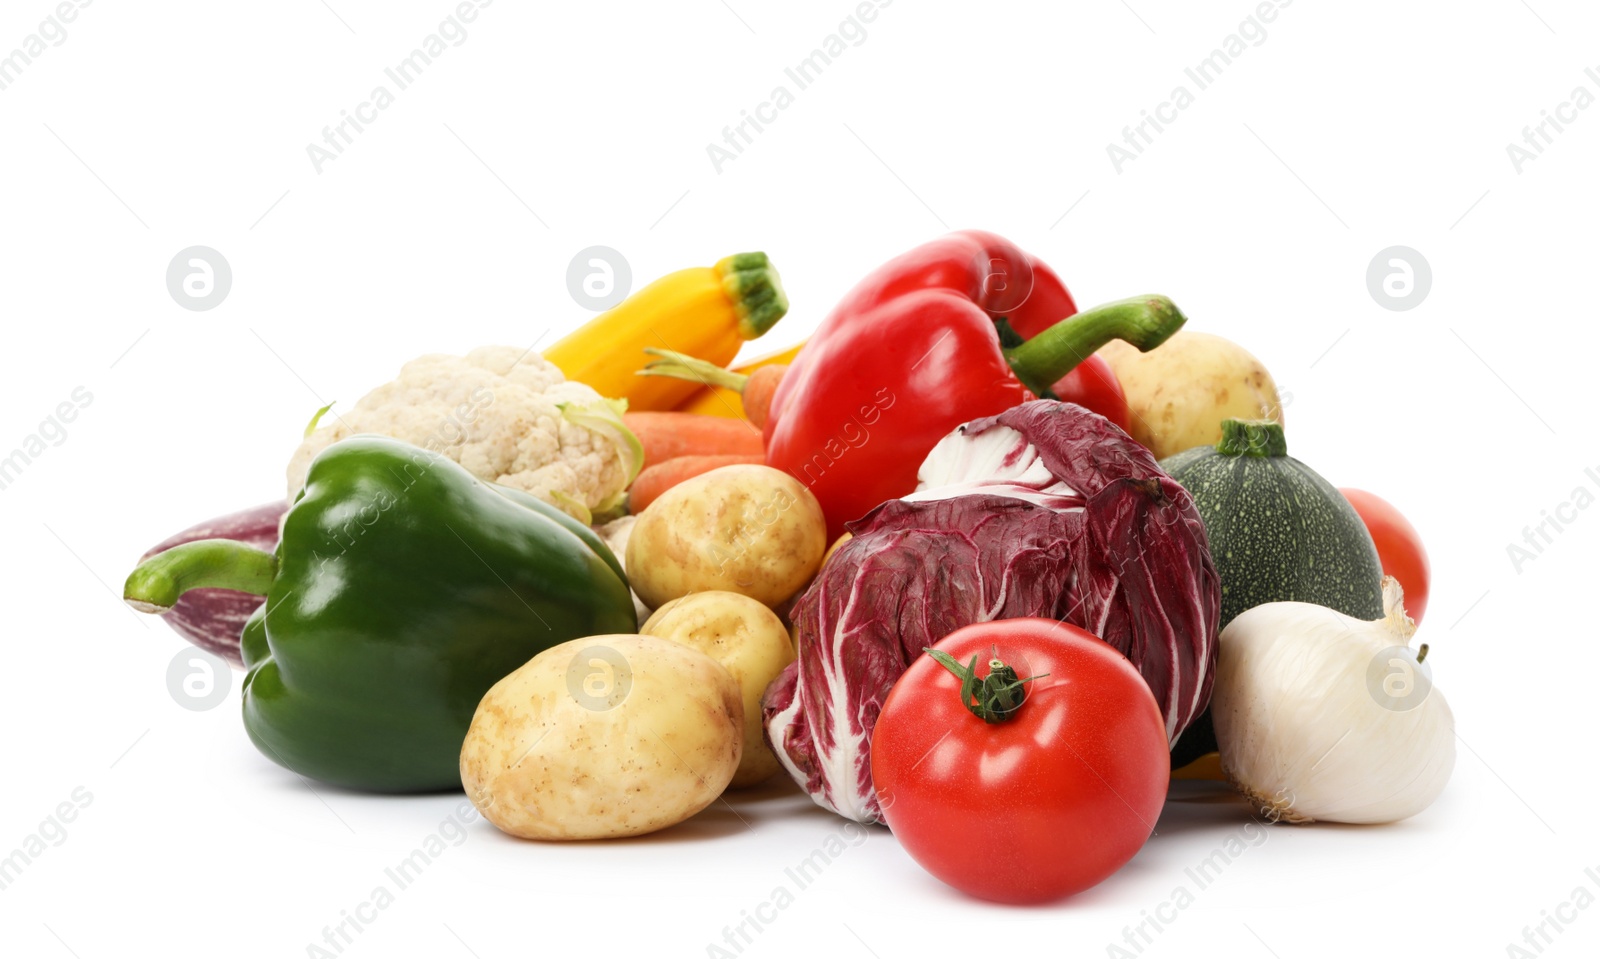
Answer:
(1093, 385)
(913, 352)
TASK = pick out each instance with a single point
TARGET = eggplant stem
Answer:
(156, 584)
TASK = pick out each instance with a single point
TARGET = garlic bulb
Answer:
(1321, 716)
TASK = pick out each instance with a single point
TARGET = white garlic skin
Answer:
(1300, 734)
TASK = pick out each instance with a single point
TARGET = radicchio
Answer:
(1044, 510)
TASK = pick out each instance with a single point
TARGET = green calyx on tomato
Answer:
(996, 697)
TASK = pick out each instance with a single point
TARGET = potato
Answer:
(751, 530)
(603, 737)
(750, 642)
(1180, 392)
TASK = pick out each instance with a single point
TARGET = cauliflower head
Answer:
(506, 414)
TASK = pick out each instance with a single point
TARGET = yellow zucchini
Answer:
(706, 312)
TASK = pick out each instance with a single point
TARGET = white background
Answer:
(449, 223)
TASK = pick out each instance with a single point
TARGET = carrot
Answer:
(758, 391)
(724, 401)
(668, 436)
(657, 479)
(755, 388)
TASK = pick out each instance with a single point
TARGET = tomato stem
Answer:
(994, 698)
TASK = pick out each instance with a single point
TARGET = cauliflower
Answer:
(508, 415)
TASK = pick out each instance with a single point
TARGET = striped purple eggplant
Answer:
(212, 618)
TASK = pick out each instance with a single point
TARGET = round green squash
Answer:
(1279, 532)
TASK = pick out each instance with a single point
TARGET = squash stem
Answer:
(753, 287)
(1259, 438)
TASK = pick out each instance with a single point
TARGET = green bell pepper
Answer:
(402, 588)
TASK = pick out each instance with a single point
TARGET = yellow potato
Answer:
(1180, 392)
(751, 530)
(750, 642)
(603, 737)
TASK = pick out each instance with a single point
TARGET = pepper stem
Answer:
(996, 697)
(1143, 321)
(155, 585)
(682, 366)
(1422, 653)
(1259, 438)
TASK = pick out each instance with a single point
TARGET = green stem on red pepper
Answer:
(996, 697)
(1143, 321)
(203, 564)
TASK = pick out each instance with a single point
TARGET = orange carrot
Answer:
(657, 479)
(758, 390)
(668, 436)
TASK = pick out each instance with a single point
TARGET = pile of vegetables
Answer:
(968, 562)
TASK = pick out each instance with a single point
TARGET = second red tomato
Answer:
(1400, 549)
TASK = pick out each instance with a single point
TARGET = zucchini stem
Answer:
(754, 289)
(1259, 438)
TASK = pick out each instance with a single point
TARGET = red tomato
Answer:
(1400, 548)
(1038, 806)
